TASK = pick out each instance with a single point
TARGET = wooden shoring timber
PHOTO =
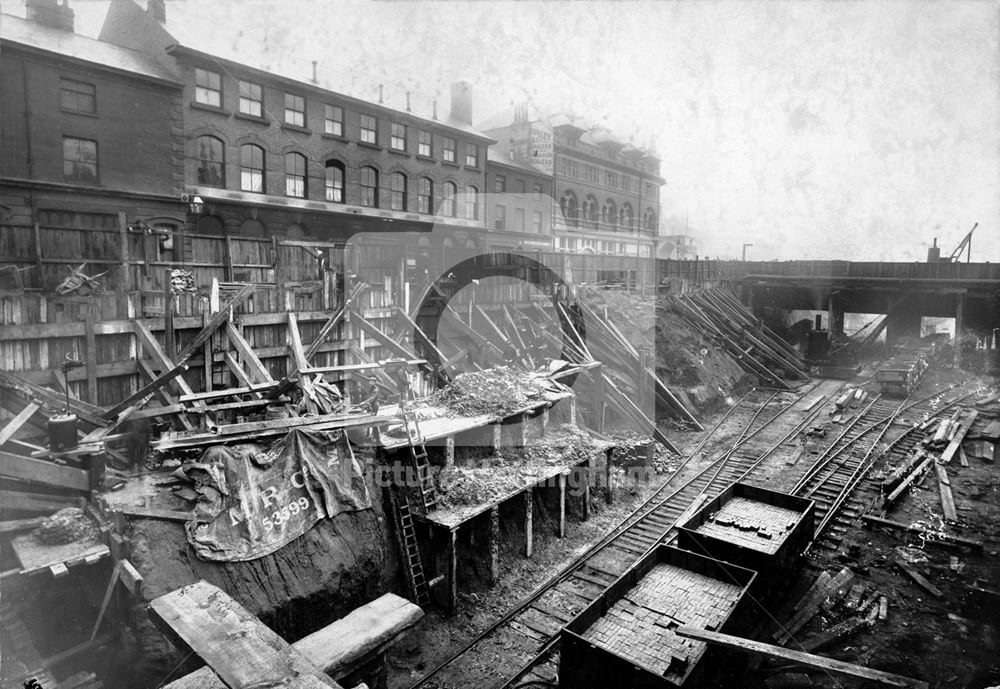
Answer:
(380, 337)
(516, 332)
(674, 403)
(947, 499)
(300, 362)
(37, 502)
(144, 393)
(88, 413)
(215, 322)
(41, 471)
(341, 647)
(229, 392)
(766, 334)
(493, 326)
(250, 359)
(152, 346)
(580, 342)
(238, 647)
(334, 320)
(942, 539)
(166, 399)
(15, 424)
(253, 429)
(452, 318)
(772, 651)
(383, 377)
(913, 476)
(628, 408)
(419, 332)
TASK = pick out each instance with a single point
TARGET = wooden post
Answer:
(170, 341)
(452, 571)
(640, 381)
(494, 574)
(229, 259)
(572, 411)
(609, 475)
(600, 400)
(528, 534)
(585, 475)
(522, 430)
(37, 237)
(497, 437)
(545, 420)
(126, 281)
(449, 450)
(91, 345)
(562, 505)
(959, 326)
(207, 355)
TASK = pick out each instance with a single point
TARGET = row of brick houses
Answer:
(136, 122)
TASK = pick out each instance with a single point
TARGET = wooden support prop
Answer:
(215, 322)
(585, 477)
(529, 535)
(238, 647)
(452, 556)
(771, 651)
(332, 322)
(516, 333)
(15, 525)
(15, 424)
(419, 332)
(918, 577)
(90, 338)
(146, 391)
(155, 513)
(229, 392)
(342, 647)
(561, 528)
(152, 346)
(250, 359)
(37, 502)
(381, 337)
(165, 397)
(928, 537)
(40, 471)
(494, 571)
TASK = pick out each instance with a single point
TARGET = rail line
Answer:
(833, 479)
(531, 629)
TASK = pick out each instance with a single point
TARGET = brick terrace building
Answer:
(518, 205)
(90, 130)
(607, 191)
(274, 156)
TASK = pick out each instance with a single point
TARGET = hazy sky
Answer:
(853, 130)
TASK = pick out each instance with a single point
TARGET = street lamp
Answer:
(745, 245)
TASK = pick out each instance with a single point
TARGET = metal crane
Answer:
(966, 243)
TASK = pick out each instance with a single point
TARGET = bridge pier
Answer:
(835, 314)
(959, 326)
(902, 319)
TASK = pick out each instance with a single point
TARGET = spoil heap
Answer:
(497, 391)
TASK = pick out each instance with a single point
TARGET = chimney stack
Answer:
(51, 13)
(461, 102)
(315, 78)
(157, 9)
(380, 94)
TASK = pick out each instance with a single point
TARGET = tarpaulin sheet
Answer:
(255, 498)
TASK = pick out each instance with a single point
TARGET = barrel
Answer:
(62, 432)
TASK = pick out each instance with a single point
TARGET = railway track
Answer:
(531, 630)
(833, 481)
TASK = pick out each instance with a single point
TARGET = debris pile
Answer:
(497, 392)
(66, 526)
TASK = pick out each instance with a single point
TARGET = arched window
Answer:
(609, 213)
(369, 187)
(448, 199)
(471, 203)
(295, 175)
(252, 168)
(590, 209)
(211, 162)
(425, 195)
(625, 216)
(334, 181)
(397, 195)
(567, 204)
(649, 220)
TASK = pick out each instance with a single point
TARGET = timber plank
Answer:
(40, 471)
(771, 651)
(238, 647)
(15, 424)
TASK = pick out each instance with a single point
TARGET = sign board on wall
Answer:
(542, 155)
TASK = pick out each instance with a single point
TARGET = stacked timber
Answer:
(900, 376)
(720, 315)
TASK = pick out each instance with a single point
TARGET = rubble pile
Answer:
(498, 392)
(66, 526)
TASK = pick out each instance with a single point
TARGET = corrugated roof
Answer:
(38, 37)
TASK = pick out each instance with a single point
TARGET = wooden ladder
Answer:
(418, 453)
(410, 549)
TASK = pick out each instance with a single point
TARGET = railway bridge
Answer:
(905, 292)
